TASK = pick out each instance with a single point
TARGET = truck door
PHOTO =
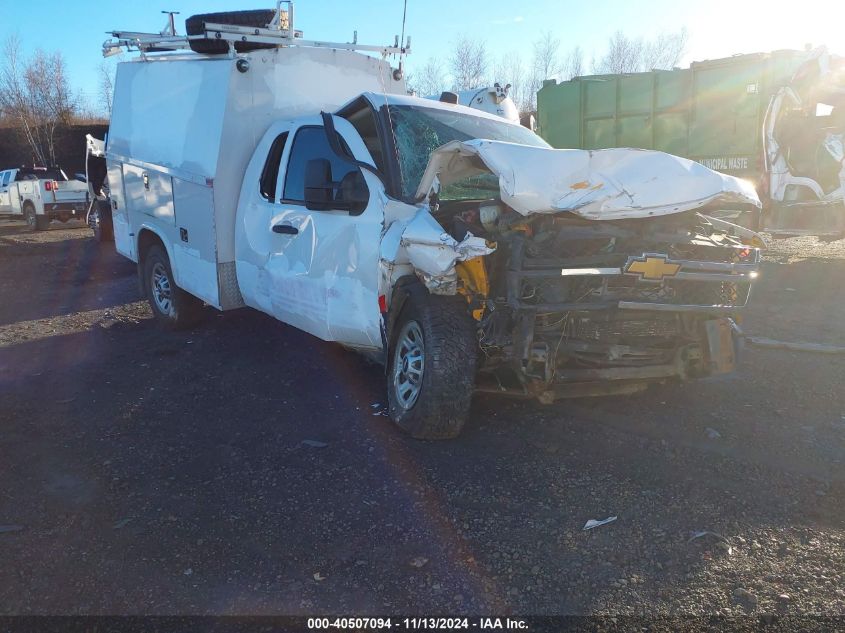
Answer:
(17, 188)
(5, 200)
(124, 238)
(320, 272)
(25, 187)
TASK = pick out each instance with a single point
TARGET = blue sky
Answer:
(717, 28)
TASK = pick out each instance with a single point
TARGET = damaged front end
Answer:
(582, 308)
(606, 279)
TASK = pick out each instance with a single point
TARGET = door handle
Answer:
(285, 229)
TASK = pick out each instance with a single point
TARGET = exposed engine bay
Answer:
(587, 272)
(567, 306)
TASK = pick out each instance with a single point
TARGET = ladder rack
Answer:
(274, 33)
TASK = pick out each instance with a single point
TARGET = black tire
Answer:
(182, 310)
(100, 222)
(194, 25)
(29, 216)
(450, 348)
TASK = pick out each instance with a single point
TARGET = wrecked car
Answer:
(454, 246)
(804, 133)
(775, 119)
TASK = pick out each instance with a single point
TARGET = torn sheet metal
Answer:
(835, 146)
(608, 184)
(432, 251)
(95, 146)
(749, 237)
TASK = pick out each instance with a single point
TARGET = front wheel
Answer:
(174, 308)
(432, 364)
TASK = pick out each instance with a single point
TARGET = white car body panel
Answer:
(185, 126)
(609, 184)
(325, 279)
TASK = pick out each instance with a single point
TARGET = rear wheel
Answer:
(174, 308)
(431, 370)
(29, 217)
(100, 223)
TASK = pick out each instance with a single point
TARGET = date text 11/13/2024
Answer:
(417, 623)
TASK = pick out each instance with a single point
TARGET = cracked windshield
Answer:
(419, 131)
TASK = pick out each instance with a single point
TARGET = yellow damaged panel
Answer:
(474, 282)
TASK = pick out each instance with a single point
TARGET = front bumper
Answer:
(579, 369)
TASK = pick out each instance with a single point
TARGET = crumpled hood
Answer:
(607, 184)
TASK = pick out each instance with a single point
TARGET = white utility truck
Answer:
(457, 247)
(40, 195)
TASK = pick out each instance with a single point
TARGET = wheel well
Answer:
(403, 287)
(146, 239)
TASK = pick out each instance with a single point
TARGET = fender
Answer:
(402, 289)
(168, 247)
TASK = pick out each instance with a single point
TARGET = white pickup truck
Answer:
(453, 245)
(40, 195)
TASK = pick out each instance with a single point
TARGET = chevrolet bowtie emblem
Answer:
(651, 267)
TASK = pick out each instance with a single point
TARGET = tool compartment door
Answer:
(149, 192)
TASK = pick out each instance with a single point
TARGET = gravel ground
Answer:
(247, 468)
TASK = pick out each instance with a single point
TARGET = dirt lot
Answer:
(146, 472)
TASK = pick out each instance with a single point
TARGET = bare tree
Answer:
(468, 64)
(545, 64)
(13, 95)
(624, 55)
(665, 51)
(630, 55)
(430, 79)
(546, 61)
(36, 95)
(106, 73)
(573, 64)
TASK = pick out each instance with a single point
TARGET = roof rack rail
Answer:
(279, 31)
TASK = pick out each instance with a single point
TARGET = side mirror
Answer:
(352, 192)
(318, 185)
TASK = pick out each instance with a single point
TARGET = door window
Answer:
(270, 173)
(310, 143)
(6, 176)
